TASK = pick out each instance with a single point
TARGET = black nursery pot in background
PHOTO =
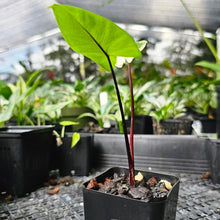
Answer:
(172, 126)
(78, 159)
(24, 157)
(99, 205)
(208, 125)
(142, 124)
(203, 124)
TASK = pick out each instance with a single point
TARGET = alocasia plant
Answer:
(102, 41)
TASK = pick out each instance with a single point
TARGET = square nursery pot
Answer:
(205, 125)
(24, 157)
(142, 124)
(99, 205)
(213, 156)
(173, 126)
(78, 159)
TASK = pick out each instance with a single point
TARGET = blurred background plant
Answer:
(165, 69)
(166, 107)
(18, 106)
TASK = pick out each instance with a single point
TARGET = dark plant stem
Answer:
(132, 114)
(129, 154)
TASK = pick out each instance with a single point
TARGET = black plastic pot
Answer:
(208, 125)
(142, 124)
(213, 156)
(78, 159)
(24, 157)
(173, 126)
(100, 206)
(205, 125)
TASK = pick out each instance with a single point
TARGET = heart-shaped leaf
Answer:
(94, 36)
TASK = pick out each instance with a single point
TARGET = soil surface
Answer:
(146, 190)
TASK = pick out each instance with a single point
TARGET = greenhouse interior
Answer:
(110, 110)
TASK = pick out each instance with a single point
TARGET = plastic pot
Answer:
(142, 124)
(24, 158)
(205, 125)
(99, 205)
(78, 159)
(173, 126)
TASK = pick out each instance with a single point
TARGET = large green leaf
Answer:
(94, 36)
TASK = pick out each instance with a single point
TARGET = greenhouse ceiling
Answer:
(23, 21)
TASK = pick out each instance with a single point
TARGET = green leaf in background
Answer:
(33, 75)
(94, 36)
(26, 91)
(199, 28)
(212, 66)
(17, 99)
(68, 123)
(5, 90)
(75, 139)
(7, 113)
(44, 108)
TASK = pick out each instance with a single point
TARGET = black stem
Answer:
(130, 161)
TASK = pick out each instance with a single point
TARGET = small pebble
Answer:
(167, 184)
(139, 177)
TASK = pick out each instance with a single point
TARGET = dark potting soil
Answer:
(145, 190)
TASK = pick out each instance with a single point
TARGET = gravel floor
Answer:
(198, 199)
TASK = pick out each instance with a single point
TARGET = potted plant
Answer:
(101, 40)
(206, 64)
(24, 150)
(25, 157)
(167, 114)
(202, 101)
(73, 152)
(24, 103)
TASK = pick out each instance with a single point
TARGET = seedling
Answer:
(102, 41)
(75, 137)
